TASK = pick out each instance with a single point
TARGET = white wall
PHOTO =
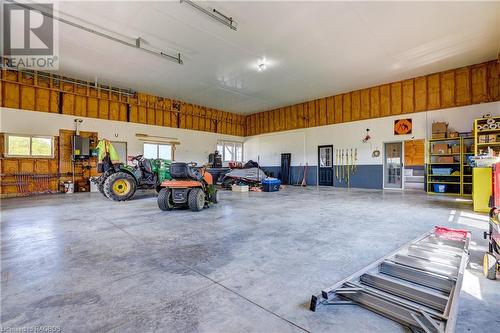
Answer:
(303, 143)
(194, 145)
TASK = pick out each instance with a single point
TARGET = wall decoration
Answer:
(402, 126)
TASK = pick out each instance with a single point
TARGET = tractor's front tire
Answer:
(101, 180)
(165, 199)
(120, 186)
(196, 199)
(214, 198)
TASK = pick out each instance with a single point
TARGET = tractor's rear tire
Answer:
(120, 186)
(165, 202)
(196, 199)
(489, 266)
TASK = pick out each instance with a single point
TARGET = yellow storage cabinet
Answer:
(481, 189)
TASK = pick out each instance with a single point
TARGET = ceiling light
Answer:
(262, 65)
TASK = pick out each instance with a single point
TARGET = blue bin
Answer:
(439, 188)
(271, 185)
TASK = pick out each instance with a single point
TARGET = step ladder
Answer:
(417, 285)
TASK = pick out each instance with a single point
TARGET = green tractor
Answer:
(119, 181)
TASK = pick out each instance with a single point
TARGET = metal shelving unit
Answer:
(452, 182)
(466, 171)
(461, 184)
(478, 134)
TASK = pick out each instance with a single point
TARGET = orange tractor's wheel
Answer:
(165, 199)
(196, 199)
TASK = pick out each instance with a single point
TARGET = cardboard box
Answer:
(440, 148)
(439, 127)
(445, 159)
(239, 188)
(439, 135)
(453, 134)
(487, 138)
(455, 149)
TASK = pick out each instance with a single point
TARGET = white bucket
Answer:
(93, 186)
(239, 188)
(69, 187)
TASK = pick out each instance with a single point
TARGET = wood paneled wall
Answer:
(16, 173)
(414, 153)
(24, 176)
(463, 86)
(52, 94)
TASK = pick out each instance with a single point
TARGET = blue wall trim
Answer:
(366, 176)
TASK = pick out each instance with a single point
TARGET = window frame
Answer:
(158, 144)
(30, 136)
(225, 143)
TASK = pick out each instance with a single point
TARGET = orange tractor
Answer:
(190, 186)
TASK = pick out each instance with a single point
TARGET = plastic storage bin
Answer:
(271, 185)
(439, 188)
(441, 171)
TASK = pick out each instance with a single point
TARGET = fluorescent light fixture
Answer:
(213, 13)
(136, 44)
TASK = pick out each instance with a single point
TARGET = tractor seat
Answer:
(147, 165)
(179, 170)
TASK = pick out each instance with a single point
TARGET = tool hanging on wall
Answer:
(345, 164)
(355, 159)
(367, 136)
(341, 165)
(337, 164)
(348, 162)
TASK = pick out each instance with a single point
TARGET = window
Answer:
(29, 146)
(230, 151)
(154, 150)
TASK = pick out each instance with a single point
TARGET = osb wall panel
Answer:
(12, 168)
(414, 152)
(59, 168)
(82, 169)
(37, 92)
(463, 86)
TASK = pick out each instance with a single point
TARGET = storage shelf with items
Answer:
(467, 150)
(444, 169)
(487, 135)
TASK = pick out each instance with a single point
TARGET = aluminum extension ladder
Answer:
(417, 285)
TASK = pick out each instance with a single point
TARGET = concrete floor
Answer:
(250, 264)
